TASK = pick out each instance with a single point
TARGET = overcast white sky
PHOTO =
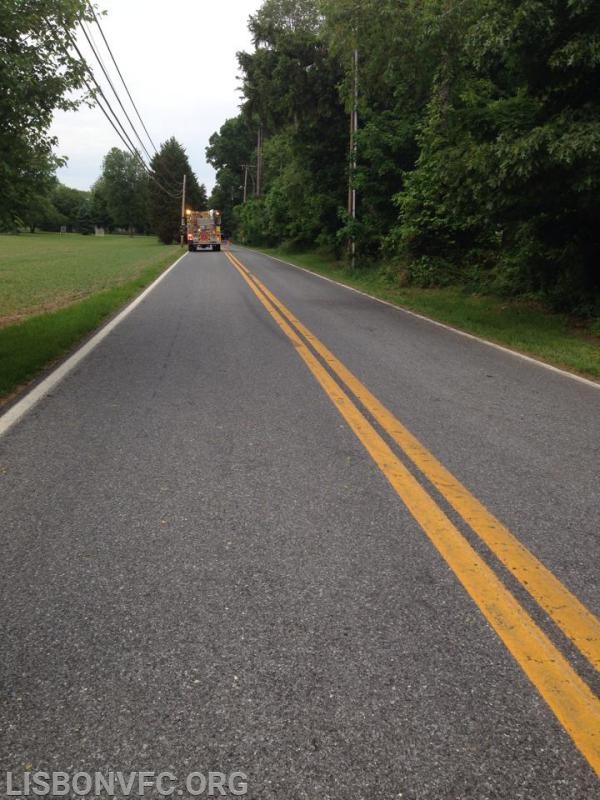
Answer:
(178, 59)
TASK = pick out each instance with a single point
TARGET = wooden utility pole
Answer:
(259, 160)
(245, 166)
(183, 212)
(353, 154)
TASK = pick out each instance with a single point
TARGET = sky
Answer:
(178, 59)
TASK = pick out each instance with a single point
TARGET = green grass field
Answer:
(46, 271)
(522, 326)
(55, 289)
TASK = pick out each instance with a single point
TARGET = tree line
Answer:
(477, 151)
(39, 73)
(125, 197)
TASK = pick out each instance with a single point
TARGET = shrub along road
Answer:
(274, 526)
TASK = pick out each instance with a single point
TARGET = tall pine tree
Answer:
(169, 166)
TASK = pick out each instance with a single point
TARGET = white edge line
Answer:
(444, 325)
(21, 407)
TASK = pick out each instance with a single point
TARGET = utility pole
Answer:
(183, 211)
(258, 160)
(248, 174)
(245, 166)
(353, 154)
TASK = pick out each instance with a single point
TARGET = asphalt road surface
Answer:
(275, 527)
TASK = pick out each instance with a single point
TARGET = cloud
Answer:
(179, 62)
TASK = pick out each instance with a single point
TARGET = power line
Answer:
(172, 191)
(91, 43)
(97, 21)
(122, 134)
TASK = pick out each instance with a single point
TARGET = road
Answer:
(273, 526)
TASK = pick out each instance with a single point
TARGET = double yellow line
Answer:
(570, 698)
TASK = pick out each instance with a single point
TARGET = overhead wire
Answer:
(98, 91)
(174, 191)
(94, 50)
(97, 21)
(114, 121)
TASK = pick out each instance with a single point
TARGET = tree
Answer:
(124, 188)
(276, 18)
(231, 152)
(290, 84)
(478, 140)
(36, 74)
(169, 166)
(507, 183)
(99, 205)
(399, 47)
(67, 202)
(40, 212)
(85, 222)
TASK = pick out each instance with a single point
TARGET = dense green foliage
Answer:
(230, 152)
(123, 188)
(478, 141)
(293, 104)
(36, 74)
(56, 206)
(67, 202)
(507, 181)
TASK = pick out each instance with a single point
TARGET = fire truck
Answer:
(203, 229)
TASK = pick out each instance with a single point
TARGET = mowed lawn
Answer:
(55, 290)
(45, 271)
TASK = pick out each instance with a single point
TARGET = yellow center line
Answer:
(566, 610)
(569, 697)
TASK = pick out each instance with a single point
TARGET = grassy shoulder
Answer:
(519, 325)
(125, 267)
